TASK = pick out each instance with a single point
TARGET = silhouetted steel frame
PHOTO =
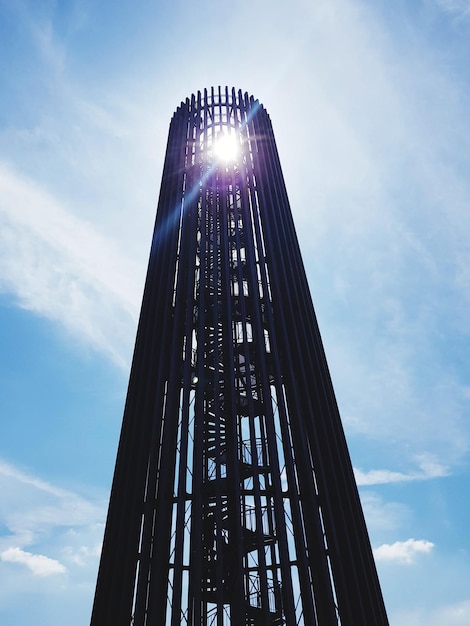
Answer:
(338, 582)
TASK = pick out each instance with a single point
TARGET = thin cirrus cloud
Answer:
(60, 267)
(459, 7)
(450, 615)
(32, 509)
(384, 518)
(403, 551)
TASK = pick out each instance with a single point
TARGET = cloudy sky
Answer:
(370, 102)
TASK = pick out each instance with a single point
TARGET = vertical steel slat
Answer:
(116, 566)
(194, 592)
(277, 263)
(327, 441)
(185, 409)
(279, 513)
(340, 525)
(286, 237)
(234, 563)
(261, 366)
(153, 455)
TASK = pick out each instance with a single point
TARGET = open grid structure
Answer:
(233, 500)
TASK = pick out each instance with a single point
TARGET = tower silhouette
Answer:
(233, 499)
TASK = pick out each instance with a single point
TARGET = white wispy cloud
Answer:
(383, 517)
(411, 402)
(81, 555)
(428, 469)
(59, 266)
(39, 564)
(459, 7)
(457, 614)
(403, 551)
(34, 510)
(384, 228)
(16, 475)
(50, 544)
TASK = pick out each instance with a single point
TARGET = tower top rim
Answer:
(219, 96)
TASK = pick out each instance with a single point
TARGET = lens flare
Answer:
(226, 147)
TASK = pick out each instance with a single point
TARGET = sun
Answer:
(226, 147)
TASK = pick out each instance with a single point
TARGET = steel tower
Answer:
(233, 500)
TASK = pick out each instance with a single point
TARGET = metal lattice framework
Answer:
(234, 500)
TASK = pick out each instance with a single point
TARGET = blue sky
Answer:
(370, 103)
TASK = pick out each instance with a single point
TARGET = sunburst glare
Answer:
(226, 147)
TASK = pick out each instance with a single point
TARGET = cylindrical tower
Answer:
(233, 500)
